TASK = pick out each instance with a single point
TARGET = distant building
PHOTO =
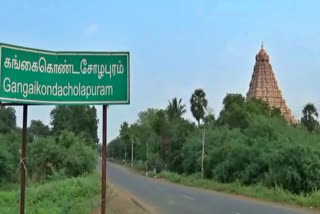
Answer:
(264, 86)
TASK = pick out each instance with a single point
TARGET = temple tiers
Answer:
(264, 86)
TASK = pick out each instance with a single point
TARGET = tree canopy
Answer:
(37, 128)
(7, 119)
(309, 118)
(82, 120)
(175, 108)
(199, 104)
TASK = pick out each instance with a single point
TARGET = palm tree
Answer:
(198, 104)
(175, 108)
(309, 118)
(198, 108)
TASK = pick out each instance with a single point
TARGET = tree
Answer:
(198, 104)
(147, 120)
(179, 130)
(7, 119)
(230, 99)
(234, 111)
(134, 133)
(175, 108)
(124, 137)
(309, 118)
(161, 128)
(147, 117)
(37, 128)
(198, 108)
(82, 120)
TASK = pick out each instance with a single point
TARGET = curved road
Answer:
(170, 198)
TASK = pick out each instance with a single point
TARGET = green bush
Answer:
(74, 195)
(264, 154)
(9, 156)
(68, 156)
(80, 159)
(44, 156)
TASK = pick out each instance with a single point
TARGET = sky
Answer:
(177, 46)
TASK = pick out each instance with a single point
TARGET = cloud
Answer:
(91, 30)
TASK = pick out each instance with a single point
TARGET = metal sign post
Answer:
(23, 162)
(104, 159)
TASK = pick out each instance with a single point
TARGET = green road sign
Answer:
(34, 76)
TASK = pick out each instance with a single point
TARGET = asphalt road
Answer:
(170, 198)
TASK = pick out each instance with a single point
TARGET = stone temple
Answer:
(264, 86)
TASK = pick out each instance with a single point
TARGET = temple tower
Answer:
(264, 86)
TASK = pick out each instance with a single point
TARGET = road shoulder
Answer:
(123, 202)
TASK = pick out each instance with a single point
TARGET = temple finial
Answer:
(261, 45)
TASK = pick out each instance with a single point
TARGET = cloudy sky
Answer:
(177, 46)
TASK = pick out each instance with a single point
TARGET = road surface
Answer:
(170, 198)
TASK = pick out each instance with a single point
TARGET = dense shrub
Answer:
(268, 156)
(70, 155)
(80, 159)
(7, 119)
(191, 153)
(6, 160)
(9, 156)
(44, 156)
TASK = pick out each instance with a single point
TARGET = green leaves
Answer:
(175, 109)
(37, 128)
(78, 119)
(7, 119)
(310, 116)
(238, 113)
(69, 154)
(198, 104)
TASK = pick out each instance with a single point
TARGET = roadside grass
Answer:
(256, 191)
(79, 195)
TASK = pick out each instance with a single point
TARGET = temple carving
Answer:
(264, 86)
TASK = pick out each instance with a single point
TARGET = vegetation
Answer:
(7, 119)
(309, 119)
(198, 104)
(38, 129)
(82, 120)
(70, 196)
(61, 150)
(249, 144)
(57, 161)
(175, 108)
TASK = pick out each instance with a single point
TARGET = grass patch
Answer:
(255, 191)
(78, 195)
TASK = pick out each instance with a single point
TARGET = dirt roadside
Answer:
(121, 201)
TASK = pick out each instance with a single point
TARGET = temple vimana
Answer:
(264, 86)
